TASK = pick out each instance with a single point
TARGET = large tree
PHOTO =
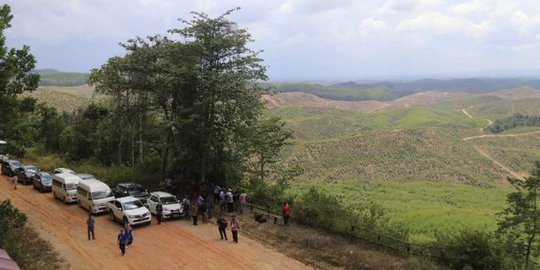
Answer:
(520, 221)
(227, 98)
(200, 88)
(16, 66)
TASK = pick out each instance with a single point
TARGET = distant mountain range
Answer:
(364, 90)
(475, 85)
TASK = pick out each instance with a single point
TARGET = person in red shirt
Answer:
(286, 210)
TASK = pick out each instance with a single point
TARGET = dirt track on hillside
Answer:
(171, 245)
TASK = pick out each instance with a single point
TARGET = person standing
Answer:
(129, 232)
(235, 225)
(90, 226)
(186, 204)
(217, 190)
(222, 225)
(15, 179)
(159, 212)
(230, 200)
(122, 240)
(194, 215)
(286, 210)
(242, 200)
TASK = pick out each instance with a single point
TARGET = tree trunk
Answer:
(133, 145)
(120, 148)
(140, 139)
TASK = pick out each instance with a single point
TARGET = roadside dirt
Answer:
(172, 245)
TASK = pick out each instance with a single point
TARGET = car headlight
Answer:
(131, 216)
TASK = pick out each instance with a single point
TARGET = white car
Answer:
(63, 170)
(171, 207)
(129, 210)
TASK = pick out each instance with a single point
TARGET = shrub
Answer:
(473, 250)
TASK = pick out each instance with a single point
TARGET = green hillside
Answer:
(338, 93)
(52, 77)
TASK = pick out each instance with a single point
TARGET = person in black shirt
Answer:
(159, 212)
(90, 225)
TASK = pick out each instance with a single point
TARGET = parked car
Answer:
(129, 210)
(63, 170)
(171, 207)
(9, 167)
(86, 176)
(131, 189)
(25, 173)
(42, 181)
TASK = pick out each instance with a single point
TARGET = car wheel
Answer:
(111, 215)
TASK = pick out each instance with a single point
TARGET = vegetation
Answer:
(22, 243)
(15, 78)
(339, 93)
(517, 120)
(52, 77)
(519, 223)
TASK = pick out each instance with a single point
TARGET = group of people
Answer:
(124, 238)
(203, 207)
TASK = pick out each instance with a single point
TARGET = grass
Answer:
(58, 78)
(425, 207)
(67, 99)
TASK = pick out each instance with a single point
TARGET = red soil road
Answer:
(171, 245)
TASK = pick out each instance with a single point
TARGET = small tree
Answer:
(519, 221)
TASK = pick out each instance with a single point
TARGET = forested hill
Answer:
(53, 77)
(390, 90)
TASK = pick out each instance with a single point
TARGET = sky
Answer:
(303, 39)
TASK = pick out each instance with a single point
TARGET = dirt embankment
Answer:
(171, 245)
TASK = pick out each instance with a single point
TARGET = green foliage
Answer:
(51, 77)
(16, 66)
(473, 249)
(517, 120)
(338, 93)
(520, 220)
(10, 220)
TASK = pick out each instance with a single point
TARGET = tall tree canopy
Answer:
(15, 77)
(191, 99)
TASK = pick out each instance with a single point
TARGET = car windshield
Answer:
(102, 194)
(71, 186)
(46, 178)
(30, 168)
(168, 200)
(15, 164)
(132, 205)
(135, 188)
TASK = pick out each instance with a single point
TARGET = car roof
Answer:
(161, 194)
(64, 170)
(11, 161)
(85, 175)
(129, 184)
(68, 177)
(93, 183)
(126, 199)
(28, 166)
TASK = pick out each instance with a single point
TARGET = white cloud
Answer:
(301, 38)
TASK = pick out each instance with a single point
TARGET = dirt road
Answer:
(502, 135)
(171, 245)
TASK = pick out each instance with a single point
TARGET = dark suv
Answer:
(131, 189)
(9, 167)
(42, 181)
(25, 173)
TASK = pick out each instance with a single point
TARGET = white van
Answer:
(64, 187)
(94, 195)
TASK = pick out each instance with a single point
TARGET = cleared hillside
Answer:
(64, 98)
(403, 155)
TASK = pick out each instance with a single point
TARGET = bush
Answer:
(473, 250)
(11, 219)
